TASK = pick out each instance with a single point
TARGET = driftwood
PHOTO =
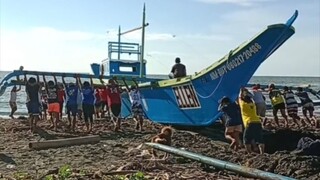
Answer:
(64, 142)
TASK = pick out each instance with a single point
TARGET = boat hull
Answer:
(194, 100)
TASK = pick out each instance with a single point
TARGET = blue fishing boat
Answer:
(193, 100)
(188, 101)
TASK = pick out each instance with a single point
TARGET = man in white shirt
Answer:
(13, 100)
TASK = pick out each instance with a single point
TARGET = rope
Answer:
(218, 85)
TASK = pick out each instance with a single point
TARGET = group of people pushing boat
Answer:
(82, 100)
(249, 111)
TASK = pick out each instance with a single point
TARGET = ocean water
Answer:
(312, 82)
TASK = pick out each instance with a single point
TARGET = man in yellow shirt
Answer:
(251, 122)
(278, 103)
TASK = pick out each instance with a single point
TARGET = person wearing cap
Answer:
(233, 121)
(307, 106)
(13, 100)
(178, 70)
(251, 122)
(278, 103)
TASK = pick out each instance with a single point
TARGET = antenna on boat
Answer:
(142, 38)
(119, 41)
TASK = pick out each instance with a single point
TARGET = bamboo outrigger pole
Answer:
(246, 171)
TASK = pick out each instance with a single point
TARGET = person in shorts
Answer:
(114, 102)
(260, 102)
(88, 103)
(136, 105)
(13, 100)
(44, 103)
(233, 121)
(307, 106)
(291, 104)
(72, 92)
(53, 101)
(277, 102)
(97, 103)
(251, 122)
(33, 103)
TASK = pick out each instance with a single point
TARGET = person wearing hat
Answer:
(251, 122)
(233, 122)
(178, 70)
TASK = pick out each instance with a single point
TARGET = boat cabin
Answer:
(124, 59)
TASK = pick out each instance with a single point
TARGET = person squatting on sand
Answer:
(53, 101)
(233, 121)
(251, 122)
(33, 100)
(114, 102)
(165, 138)
(292, 105)
(260, 102)
(88, 103)
(72, 93)
(277, 102)
(13, 100)
(307, 106)
(136, 105)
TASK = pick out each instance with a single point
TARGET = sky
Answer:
(67, 36)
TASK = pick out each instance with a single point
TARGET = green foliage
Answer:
(65, 172)
(21, 175)
(49, 177)
(137, 176)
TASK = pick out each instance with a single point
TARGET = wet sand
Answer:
(122, 154)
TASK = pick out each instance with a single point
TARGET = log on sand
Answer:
(64, 142)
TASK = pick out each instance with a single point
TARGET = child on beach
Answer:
(292, 104)
(233, 121)
(307, 106)
(44, 103)
(13, 100)
(251, 122)
(277, 102)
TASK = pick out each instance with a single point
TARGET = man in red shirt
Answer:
(114, 102)
(61, 98)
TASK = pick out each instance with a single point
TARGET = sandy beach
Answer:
(123, 154)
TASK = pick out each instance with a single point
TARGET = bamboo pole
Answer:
(64, 142)
(224, 165)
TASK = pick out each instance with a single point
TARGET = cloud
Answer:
(235, 2)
